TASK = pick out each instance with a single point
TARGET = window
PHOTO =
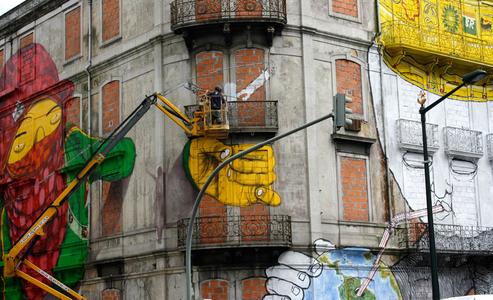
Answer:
(110, 106)
(72, 33)
(354, 187)
(110, 20)
(112, 199)
(27, 68)
(244, 82)
(26, 40)
(345, 9)
(349, 82)
(72, 111)
(214, 289)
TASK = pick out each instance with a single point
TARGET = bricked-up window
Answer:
(111, 217)
(209, 72)
(27, 63)
(217, 289)
(111, 106)
(72, 33)
(209, 69)
(345, 7)
(2, 61)
(249, 8)
(253, 288)
(110, 19)
(249, 65)
(207, 9)
(2, 58)
(72, 111)
(112, 191)
(111, 294)
(354, 188)
(26, 40)
(254, 223)
(348, 79)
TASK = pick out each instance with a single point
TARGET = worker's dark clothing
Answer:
(216, 100)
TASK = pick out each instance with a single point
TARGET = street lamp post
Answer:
(469, 78)
(188, 246)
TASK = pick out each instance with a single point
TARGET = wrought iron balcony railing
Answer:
(451, 238)
(411, 138)
(185, 13)
(237, 231)
(463, 143)
(489, 144)
(248, 116)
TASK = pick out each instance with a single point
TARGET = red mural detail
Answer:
(29, 185)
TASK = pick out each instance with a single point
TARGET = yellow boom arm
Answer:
(16, 256)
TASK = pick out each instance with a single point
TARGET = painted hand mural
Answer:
(331, 274)
(244, 182)
(37, 160)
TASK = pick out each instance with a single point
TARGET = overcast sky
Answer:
(6, 5)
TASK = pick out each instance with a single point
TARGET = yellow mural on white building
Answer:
(432, 43)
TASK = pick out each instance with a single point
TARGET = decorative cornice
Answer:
(25, 13)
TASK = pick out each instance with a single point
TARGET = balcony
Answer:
(489, 144)
(428, 33)
(452, 239)
(248, 116)
(463, 143)
(237, 231)
(197, 17)
(411, 139)
(434, 43)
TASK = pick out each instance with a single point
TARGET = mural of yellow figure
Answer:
(244, 182)
(41, 120)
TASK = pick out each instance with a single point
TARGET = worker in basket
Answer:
(218, 102)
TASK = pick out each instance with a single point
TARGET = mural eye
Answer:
(19, 147)
(55, 118)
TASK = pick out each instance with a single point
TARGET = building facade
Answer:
(324, 213)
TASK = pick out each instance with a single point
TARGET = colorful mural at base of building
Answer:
(244, 182)
(39, 156)
(330, 274)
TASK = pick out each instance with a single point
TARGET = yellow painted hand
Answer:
(243, 182)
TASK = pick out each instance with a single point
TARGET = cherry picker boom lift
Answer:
(200, 125)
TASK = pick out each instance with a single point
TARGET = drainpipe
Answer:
(89, 91)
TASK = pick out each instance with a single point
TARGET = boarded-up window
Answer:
(72, 33)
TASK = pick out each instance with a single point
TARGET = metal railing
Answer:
(411, 138)
(450, 238)
(247, 116)
(186, 12)
(463, 143)
(237, 231)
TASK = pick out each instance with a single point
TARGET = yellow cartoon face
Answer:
(41, 120)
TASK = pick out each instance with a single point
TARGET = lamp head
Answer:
(474, 76)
